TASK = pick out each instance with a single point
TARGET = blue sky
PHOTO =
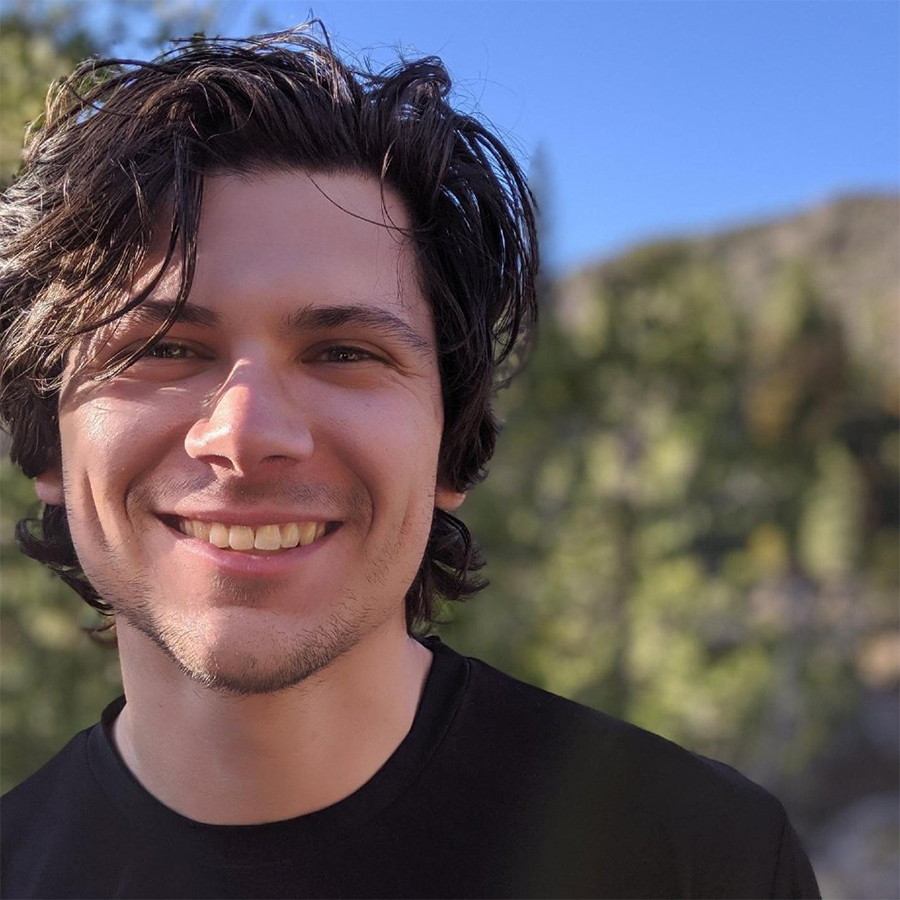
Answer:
(655, 118)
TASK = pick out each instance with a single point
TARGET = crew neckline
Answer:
(237, 845)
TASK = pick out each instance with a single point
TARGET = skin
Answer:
(264, 686)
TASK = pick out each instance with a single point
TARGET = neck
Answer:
(237, 760)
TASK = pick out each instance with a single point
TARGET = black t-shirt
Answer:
(499, 790)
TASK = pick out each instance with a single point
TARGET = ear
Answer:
(49, 486)
(448, 500)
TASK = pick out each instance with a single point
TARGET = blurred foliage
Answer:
(691, 521)
(41, 41)
(32, 57)
(692, 518)
(55, 679)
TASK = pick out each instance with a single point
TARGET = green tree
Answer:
(33, 55)
(682, 531)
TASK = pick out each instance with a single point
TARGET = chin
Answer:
(248, 675)
(245, 651)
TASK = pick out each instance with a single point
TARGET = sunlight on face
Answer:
(255, 494)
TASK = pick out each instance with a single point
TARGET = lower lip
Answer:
(237, 562)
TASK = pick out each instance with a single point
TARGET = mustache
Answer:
(241, 494)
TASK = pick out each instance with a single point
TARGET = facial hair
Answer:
(281, 658)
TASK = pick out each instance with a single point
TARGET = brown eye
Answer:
(168, 350)
(346, 355)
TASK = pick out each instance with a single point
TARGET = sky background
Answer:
(653, 118)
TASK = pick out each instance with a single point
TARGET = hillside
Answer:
(850, 245)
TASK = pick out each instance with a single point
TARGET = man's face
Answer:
(297, 399)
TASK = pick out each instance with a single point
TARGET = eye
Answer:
(169, 350)
(344, 354)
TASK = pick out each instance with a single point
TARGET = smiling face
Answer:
(255, 494)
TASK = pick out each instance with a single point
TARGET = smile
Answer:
(263, 537)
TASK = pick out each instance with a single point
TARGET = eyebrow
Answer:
(307, 318)
(155, 312)
(323, 318)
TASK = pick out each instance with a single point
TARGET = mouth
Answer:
(261, 539)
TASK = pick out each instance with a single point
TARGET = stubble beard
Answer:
(285, 655)
(284, 658)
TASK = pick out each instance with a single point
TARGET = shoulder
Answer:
(31, 812)
(610, 797)
(58, 824)
(56, 778)
(590, 742)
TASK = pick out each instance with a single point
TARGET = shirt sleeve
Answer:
(794, 876)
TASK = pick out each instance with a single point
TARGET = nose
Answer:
(253, 421)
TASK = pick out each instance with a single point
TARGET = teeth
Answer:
(290, 535)
(243, 537)
(268, 537)
(240, 537)
(218, 535)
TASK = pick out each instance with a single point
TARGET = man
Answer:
(254, 305)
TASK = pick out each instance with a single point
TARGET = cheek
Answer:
(401, 460)
(394, 441)
(106, 445)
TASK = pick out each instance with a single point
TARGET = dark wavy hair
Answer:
(124, 143)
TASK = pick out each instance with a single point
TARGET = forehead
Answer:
(272, 241)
